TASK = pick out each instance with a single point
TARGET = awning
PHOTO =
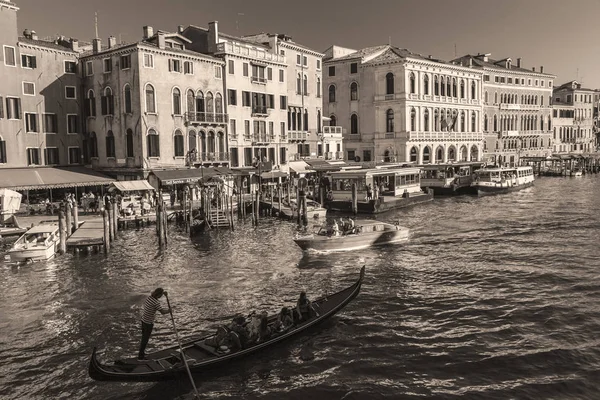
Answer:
(178, 176)
(273, 175)
(322, 165)
(132, 186)
(51, 178)
(300, 167)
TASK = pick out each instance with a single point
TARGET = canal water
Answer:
(492, 298)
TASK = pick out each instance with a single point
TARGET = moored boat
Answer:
(313, 209)
(577, 172)
(365, 234)
(39, 243)
(200, 356)
(450, 179)
(502, 180)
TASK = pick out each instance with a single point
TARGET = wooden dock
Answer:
(90, 233)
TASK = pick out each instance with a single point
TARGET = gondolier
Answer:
(151, 306)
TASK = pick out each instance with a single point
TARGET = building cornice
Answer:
(8, 5)
(137, 47)
(452, 67)
(47, 49)
(500, 70)
(300, 48)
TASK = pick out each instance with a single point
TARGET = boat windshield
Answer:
(39, 237)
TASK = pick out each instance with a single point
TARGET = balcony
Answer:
(445, 136)
(198, 158)
(260, 111)
(334, 155)
(196, 118)
(262, 138)
(259, 79)
(251, 52)
(297, 135)
(333, 132)
(510, 106)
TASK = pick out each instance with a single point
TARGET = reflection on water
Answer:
(492, 297)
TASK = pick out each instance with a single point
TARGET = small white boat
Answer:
(502, 180)
(37, 244)
(577, 172)
(313, 209)
(365, 234)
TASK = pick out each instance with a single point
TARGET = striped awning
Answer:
(132, 186)
(51, 178)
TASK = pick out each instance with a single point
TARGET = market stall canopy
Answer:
(300, 167)
(131, 186)
(179, 176)
(273, 175)
(51, 178)
(10, 201)
(321, 165)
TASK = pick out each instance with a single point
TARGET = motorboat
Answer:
(313, 209)
(39, 243)
(502, 180)
(577, 172)
(364, 234)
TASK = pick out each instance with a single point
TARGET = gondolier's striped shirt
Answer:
(151, 306)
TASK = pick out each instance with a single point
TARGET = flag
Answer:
(454, 121)
(444, 124)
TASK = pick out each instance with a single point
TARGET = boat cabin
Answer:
(519, 174)
(447, 172)
(395, 181)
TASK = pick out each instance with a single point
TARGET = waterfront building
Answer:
(596, 118)
(153, 104)
(398, 106)
(39, 97)
(517, 105)
(573, 118)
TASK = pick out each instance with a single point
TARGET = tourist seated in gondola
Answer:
(284, 320)
(304, 308)
(264, 331)
(335, 229)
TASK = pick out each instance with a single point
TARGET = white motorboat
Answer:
(502, 180)
(39, 243)
(313, 210)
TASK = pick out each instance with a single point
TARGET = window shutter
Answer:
(87, 108)
(19, 116)
(1, 107)
(33, 62)
(170, 65)
(111, 104)
(23, 60)
(104, 104)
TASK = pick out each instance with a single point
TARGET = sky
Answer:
(561, 35)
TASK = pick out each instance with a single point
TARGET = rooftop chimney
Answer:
(542, 69)
(34, 35)
(213, 36)
(533, 69)
(180, 29)
(97, 45)
(519, 62)
(27, 34)
(148, 32)
(112, 42)
(74, 45)
(161, 40)
(470, 62)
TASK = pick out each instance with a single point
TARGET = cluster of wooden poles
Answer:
(111, 225)
(68, 222)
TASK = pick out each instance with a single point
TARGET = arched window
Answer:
(153, 142)
(486, 97)
(190, 102)
(495, 97)
(318, 87)
(93, 145)
(110, 145)
(299, 84)
(436, 120)
(426, 84)
(449, 88)
(332, 93)
(200, 102)
(129, 143)
(192, 141)
(210, 107)
(495, 123)
(178, 143)
(436, 85)
(389, 83)
(426, 121)
(354, 123)
(305, 120)
(473, 90)
(413, 86)
(319, 119)
(473, 122)
(353, 91)
(108, 102)
(389, 120)
(127, 95)
(219, 104)
(90, 104)
(426, 155)
(176, 101)
(439, 154)
(332, 120)
(462, 121)
(485, 123)
(451, 153)
(541, 124)
(462, 88)
(443, 86)
(210, 144)
(413, 120)
(413, 154)
(305, 86)
(150, 99)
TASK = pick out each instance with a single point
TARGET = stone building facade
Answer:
(517, 109)
(573, 118)
(398, 106)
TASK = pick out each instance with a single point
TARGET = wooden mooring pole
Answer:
(354, 199)
(159, 223)
(62, 231)
(69, 219)
(106, 221)
(75, 217)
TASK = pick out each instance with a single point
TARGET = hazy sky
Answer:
(561, 35)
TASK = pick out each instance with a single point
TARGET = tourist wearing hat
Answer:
(151, 306)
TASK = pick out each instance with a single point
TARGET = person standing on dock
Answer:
(151, 306)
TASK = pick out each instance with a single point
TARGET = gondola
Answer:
(168, 364)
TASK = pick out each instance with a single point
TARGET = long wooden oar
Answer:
(181, 349)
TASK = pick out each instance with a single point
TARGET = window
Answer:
(129, 143)
(148, 60)
(283, 102)
(426, 121)
(33, 156)
(51, 155)
(93, 145)
(426, 84)
(298, 59)
(107, 102)
(74, 155)
(232, 97)
(245, 69)
(176, 101)
(258, 74)
(413, 85)
(462, 89)
(178, 144)
(354, 68)
(389, 83)
(270, 101)
(353, 91)
(332, 70)
(271, 129)
(299, 84)
(332, 93)
(232, 128)
(150, 99)
(127, 95)
(110, 145)
(304, 61)
(245, 99)
(389, 120)
(107, 65)
(153, 143)
(473, 90)
(13, 108)
(72, 123)
(188, 68)
(89, 68)
(413, 120)
(31, 123)
(90, 104)
(9, 56)
(28, 61)
(70, 92)
(246, 128)
(473, 122)
(281, 75)
(318, 64)
(50, 123)
(70, 67)
(218, 72)
(219, 104)
(126, 61)
(3, 158)
(29, 88)
(305, 86)
(270, 73)
(354, 123)
(174, 65)
(486, 78)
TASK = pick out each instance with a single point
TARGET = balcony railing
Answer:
(258, 79)
(260, 110)
(511, 106)
(206, 118)
(194, 157)
(334, 155)
(262, 138)
(296, 135)
(445, 135)
(333, 131)
(243, 49)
